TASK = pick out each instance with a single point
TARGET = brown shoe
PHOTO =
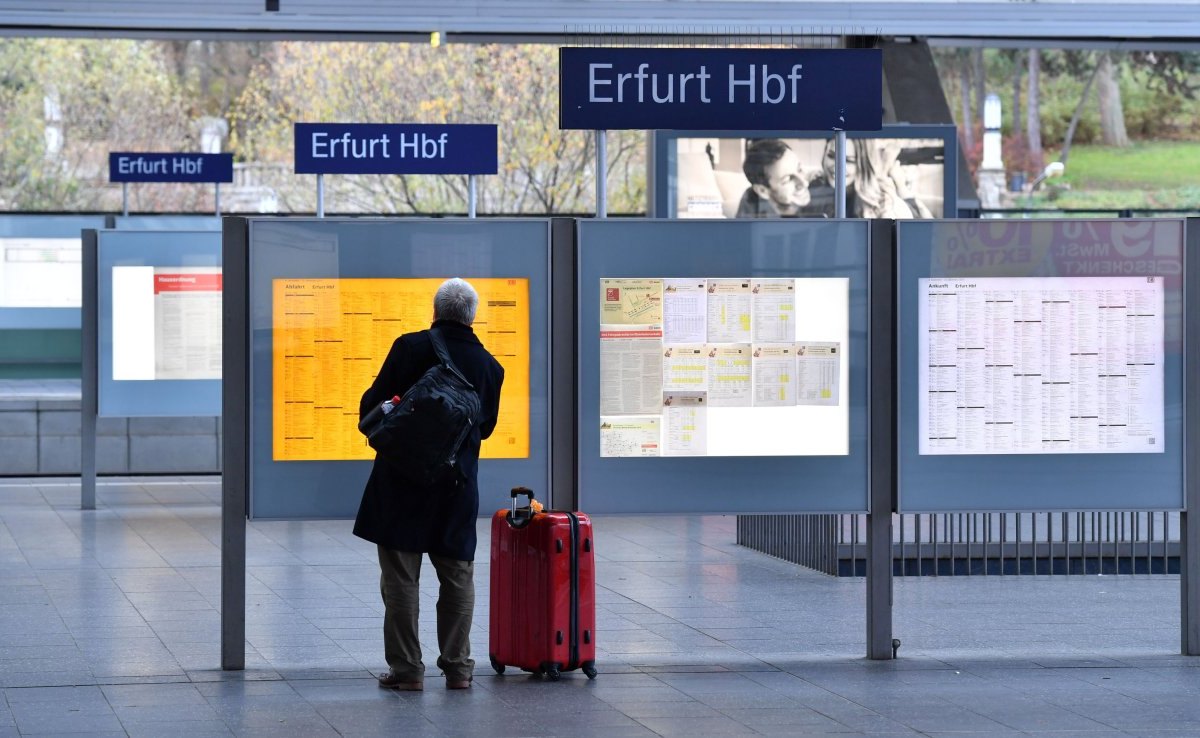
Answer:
(458, 683)
(391, 680)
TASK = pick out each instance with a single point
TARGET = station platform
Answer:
(111, 627)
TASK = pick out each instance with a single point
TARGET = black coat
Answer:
(393, 513)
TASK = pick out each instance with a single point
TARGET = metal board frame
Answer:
(881, 408)
(235, 439)
(1189, 527)
(98, 391)
(236, 413)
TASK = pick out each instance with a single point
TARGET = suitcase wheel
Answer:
(499, 667)
(551, 671)
(589, 668)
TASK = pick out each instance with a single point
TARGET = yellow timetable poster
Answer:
(330, 337)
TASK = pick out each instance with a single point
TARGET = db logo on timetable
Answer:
(612, 294)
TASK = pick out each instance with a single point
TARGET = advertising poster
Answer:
(897, 178)
(330, 337)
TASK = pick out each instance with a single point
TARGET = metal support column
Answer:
(839, 187)
(471, 195)
(90, 384)
(125, 198)
(217, 197)
(881, 391)
(1189, 520)
(235, 425)
(320, 195)
(564, 393)
(601, 174)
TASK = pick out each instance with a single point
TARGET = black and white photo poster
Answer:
(900, 178)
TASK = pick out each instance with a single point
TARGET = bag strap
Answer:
(443, 355)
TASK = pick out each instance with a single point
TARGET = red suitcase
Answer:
(543, 594)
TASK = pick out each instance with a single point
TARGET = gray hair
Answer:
(456, 300)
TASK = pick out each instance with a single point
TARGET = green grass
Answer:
(1161, 165)
(1149, 175)
(1059, 196)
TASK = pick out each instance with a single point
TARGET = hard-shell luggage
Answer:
(543, 591)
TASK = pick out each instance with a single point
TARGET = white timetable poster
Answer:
(1041, 365)
(41, 272)
(166, 322)
(685, 310)
(686, 417)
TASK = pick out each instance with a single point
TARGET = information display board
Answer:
(327, 299)
(159, 323)
(1026, 386)
(723, 367)
(734, 355)
(41, 268)
(329, 339)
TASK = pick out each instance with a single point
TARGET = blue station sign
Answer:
(387, 148)
(721, 89)
(125, 166)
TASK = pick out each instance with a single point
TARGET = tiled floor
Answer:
(109, 625)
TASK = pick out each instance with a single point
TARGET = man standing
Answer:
(406, 520)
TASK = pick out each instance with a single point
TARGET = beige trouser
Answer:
(398, 583)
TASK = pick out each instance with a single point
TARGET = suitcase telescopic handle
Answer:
(518, 492)
(521, 519)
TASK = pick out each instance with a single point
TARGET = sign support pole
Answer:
(125, 198)
(217, 197)
(601, 174)
(470, 195)
(320, 195)
(840, 177)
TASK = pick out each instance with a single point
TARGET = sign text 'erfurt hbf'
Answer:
(736, 89)
(377, 148)
(126, 166)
